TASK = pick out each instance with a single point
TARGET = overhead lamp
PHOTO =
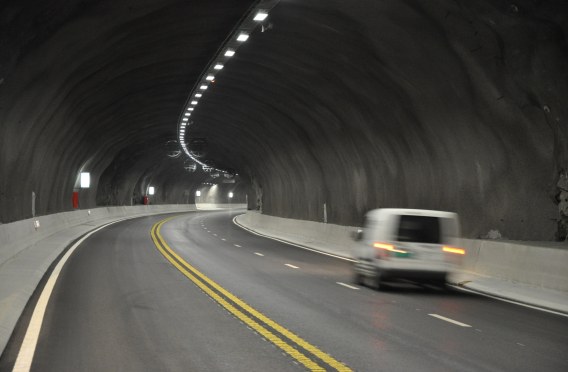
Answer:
(151, 190)
(185, 119)
(187, 114)
(182, 130)
(190, 109)
(85, 180)
(210, 78)
(198, 95)
(260, 16)
(194, 102)
(230, 195)
(198, 193)
(229, 53)
(203, 87)
(242, 37)
(218, 66)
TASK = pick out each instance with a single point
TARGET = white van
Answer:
(414, 244)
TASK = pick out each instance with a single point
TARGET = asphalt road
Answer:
(121, 304)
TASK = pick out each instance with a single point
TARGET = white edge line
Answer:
(259, 254)
(450, 320)
(236, 245)
(292, 266)
(27, 350)
(290, 243)
(510, 301)
(348, 286)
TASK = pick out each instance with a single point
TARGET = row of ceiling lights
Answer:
(241, 36)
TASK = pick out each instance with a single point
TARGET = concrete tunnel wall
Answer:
(452, 105)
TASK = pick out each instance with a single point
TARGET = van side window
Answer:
(419, 229)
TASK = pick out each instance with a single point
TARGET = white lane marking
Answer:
(348, 286)
(236, 245)
(214, 234)
(259, 254)
(223, 239)
(27, 350)
(290, 243)
(510, 301)
(450, 320)
(292, 266)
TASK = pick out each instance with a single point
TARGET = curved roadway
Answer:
(121, 303)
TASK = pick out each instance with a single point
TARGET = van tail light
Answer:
(453, 250)
(385, 250)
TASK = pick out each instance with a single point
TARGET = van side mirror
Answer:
(357, 235)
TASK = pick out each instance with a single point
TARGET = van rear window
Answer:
(419, 229)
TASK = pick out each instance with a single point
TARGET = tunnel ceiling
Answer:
(330, 106)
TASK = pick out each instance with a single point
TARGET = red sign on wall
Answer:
(75, 199)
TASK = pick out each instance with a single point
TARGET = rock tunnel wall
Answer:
(452, 105)
(98, 86)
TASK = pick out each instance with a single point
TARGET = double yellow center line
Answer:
(302, 351)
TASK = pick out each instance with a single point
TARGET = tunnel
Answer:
(329, 108)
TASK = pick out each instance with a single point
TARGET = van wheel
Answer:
(379, 283)
(358, 278)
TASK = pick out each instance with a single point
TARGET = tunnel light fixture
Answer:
(243, 36)
(185, 119)
(198, 193)
(230, 195)
(187, 114)
(190, 109)
(151, 190)
(260, 16)
(240, 34)
(85, 180)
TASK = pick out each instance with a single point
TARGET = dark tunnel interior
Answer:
(451, 105)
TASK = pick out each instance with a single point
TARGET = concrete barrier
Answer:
(536, 264)
(330, 238)
(543, 264)
(210, 206)
(29, 247)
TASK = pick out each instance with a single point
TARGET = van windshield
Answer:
(419, 229)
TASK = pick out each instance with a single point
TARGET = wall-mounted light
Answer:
(230, 195)
(229, 53)
(210, 78)
(203, 87)
(85, 180)
(218, 66)
(151, 190)
(194, 102)
(198, 193)
(198, 95)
